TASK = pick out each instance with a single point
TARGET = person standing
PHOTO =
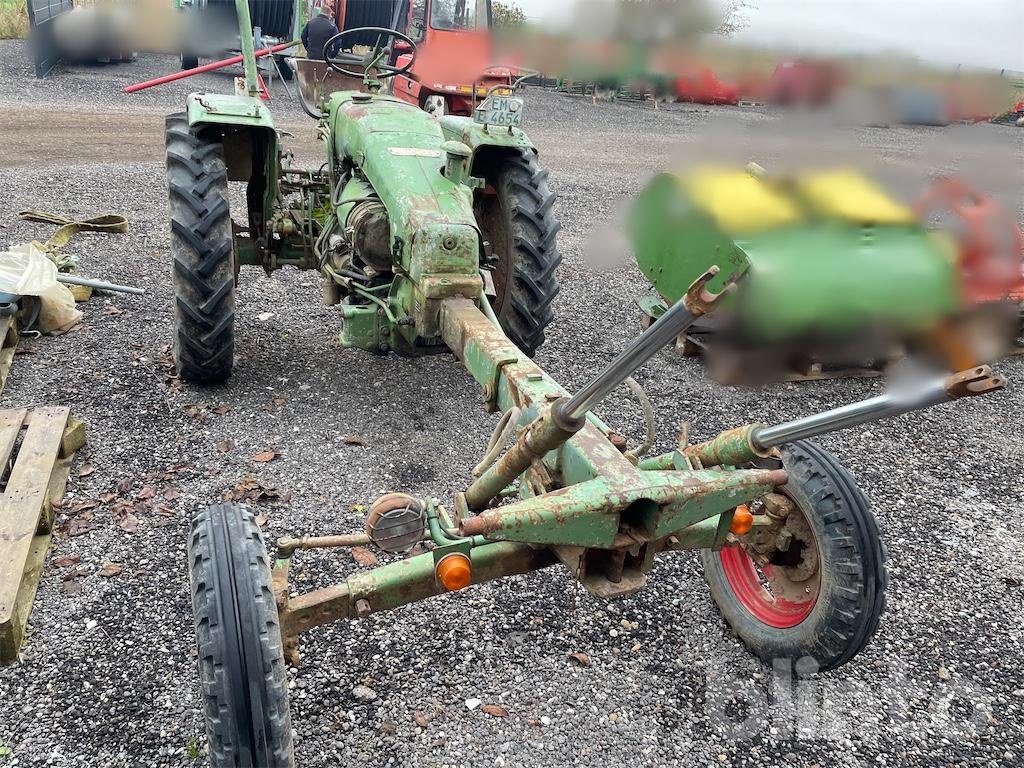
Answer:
(319, 30)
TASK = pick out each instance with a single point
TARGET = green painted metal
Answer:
(401, 152)
(400, 583)
(732, 448)
(652, 306)
(246, 113)
(842, 277)
(575, 488)
(356, 190)
(476, 136)
(810, 277)
(364, 326)
(671, 239)
(710, 533)
(436, 241)
(544, 435)
(655, 504)
(600, 488)
(224, 109)
(299, 16)
(508, 378)
(661, 461)
(252, 87)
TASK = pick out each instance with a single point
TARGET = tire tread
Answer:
(241, 657)
(203, 271)
(533, 282)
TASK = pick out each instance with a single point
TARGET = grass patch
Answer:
(13, 19)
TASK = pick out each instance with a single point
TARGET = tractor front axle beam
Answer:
(567, 415)
(393, 585)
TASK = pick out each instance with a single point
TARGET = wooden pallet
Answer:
(9, 338)
(36, 450)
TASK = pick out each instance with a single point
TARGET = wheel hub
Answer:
(779, 587)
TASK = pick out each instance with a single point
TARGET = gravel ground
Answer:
(108, 676)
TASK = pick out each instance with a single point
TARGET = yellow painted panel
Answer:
(847, 195)
(739, 202)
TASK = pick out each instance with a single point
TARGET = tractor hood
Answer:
(435, 242)
(398, 148)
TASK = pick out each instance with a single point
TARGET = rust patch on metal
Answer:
(619, 441)
(480, 525)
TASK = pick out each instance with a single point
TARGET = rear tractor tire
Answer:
(203, 274)
(815, 606)
(518, 221)
(242, 672)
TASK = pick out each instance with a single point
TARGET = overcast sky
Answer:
(983, 33)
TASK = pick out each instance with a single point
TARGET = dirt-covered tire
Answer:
(849, 594)
(519, 222)
(242, 671)
(203, 272)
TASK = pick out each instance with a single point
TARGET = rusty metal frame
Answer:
(583, 502)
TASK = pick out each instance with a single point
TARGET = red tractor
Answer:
(453, 67)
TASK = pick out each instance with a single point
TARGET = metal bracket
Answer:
(698, 299)
(973, 382)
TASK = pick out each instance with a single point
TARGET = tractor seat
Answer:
(317, 80)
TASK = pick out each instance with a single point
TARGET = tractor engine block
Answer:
(369, 232)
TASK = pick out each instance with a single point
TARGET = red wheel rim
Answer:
(751, 590)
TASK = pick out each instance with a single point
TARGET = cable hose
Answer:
(503, 431)
(650, 425)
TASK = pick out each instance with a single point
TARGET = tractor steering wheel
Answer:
(336, 61)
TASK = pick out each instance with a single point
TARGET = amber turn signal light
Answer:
(742, 520)
(454, 571)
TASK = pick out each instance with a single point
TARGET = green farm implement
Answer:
(435, 234)
(843, 279)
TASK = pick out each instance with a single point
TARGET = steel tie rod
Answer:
(696, 302)
(900, 400)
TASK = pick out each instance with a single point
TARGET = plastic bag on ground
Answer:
(27, 271)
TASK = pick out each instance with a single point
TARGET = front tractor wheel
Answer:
(516, 217)
(816, 603)
(203, 273)
(242, 673)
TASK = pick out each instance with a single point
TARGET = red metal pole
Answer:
(206, 68)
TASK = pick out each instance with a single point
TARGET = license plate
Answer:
(500, 110)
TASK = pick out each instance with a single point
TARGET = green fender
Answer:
(483, 139)
(251, 146)
(222, 109)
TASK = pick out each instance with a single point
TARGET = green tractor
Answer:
(392, 236)
(437, 234)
